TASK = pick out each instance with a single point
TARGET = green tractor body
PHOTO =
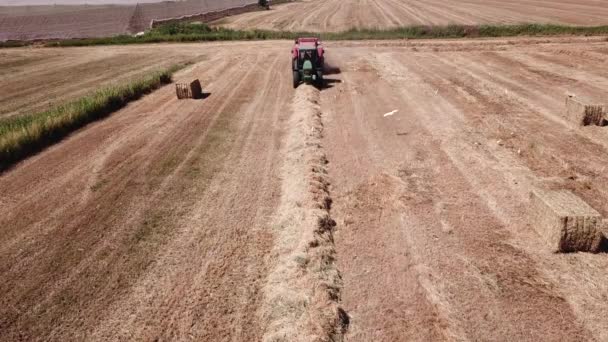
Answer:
(308, 74)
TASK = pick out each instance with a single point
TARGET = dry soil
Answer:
(174, 220)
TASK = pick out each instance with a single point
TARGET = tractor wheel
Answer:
(296, 78)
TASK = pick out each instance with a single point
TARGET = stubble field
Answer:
(338, 15)
(210, 219)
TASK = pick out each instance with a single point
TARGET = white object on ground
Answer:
(391, 113)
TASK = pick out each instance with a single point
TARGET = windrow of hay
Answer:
(22, 136)
(303, 289)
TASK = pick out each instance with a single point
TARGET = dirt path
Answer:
(339, 15)
(213, 220)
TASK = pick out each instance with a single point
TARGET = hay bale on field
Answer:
(193, 90)
(583, 114)
(566, 222)
(182, 90)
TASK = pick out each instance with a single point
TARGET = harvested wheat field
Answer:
(393, 204)
(338, 15)
(41, 20)
(35, 79)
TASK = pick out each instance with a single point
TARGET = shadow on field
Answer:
(329, 69)
(327, 83)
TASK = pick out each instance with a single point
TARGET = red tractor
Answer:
(307, 61)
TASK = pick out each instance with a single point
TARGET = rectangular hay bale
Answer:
(192, 90)
(196, 90)
(566, 222)
(182, 90)
(583, 114)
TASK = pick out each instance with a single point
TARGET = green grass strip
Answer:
(198, 32)
(21, 136)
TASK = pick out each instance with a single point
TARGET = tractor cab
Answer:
(307, 60)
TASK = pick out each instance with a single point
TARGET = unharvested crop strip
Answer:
(303, 289)
(184, 32)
